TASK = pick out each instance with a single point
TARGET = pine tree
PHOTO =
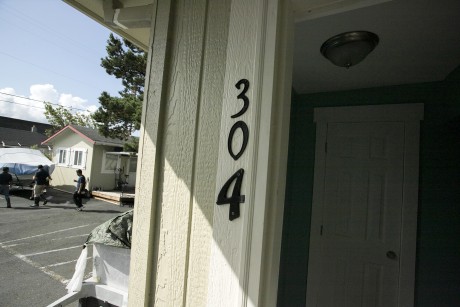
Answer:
(119, 117)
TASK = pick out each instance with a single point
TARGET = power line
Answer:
(31, 20)
(55, 104)
(22, 97)
(38, 27)
(22, 104)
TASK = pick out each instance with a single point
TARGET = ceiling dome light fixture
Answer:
(349, 48)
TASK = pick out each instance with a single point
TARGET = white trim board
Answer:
(389, 112)
(245, 251)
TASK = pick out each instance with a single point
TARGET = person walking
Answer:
(47, 183)
(5, 182)
(81, 185)
(41, 179)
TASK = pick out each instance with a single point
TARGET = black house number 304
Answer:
(236, 198)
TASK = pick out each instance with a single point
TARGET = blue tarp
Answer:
(24, 161)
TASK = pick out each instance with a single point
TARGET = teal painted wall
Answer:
(438, 239)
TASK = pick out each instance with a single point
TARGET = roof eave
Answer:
(45, 142)
(107, 144)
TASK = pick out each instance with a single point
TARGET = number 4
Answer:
(236, 197)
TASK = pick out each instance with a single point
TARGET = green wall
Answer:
(438, 239)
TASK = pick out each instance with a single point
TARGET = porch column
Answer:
(217, 103)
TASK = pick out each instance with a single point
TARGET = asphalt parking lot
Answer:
(39, 246)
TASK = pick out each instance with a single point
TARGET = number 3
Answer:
(242, 96)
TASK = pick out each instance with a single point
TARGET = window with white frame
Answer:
(132, 164)
(109, 163)
(78, 158)
(62, 154)
(72, 157)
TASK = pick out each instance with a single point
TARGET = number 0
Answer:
(242, 125)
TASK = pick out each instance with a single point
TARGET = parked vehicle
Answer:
(23, 163)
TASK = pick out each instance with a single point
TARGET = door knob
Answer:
(391, 255)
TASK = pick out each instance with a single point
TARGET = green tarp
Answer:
(115, 232)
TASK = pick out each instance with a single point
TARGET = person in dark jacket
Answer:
(81, 185)
(5, 182)
(41, 179)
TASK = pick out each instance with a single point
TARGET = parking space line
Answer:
(52, 251)
(62, 263)
(50, 273)
(11, 245)
(85, 235)
(43, 234)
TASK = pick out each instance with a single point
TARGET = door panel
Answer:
(361, 216)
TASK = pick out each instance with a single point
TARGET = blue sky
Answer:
(50, 51)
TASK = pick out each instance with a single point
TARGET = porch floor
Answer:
(115, 197)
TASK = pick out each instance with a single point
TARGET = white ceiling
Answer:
(419, 40)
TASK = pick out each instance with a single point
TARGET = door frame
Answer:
(410, 115)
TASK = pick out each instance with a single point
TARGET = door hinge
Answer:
(325, 147)
(321, 230)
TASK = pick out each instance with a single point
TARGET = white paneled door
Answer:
(360, 235)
